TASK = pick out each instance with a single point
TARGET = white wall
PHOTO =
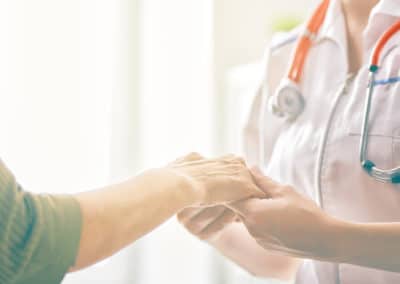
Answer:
(62, 63)
(176, 118)
(57, 78)
(94, 90)
(242, 30)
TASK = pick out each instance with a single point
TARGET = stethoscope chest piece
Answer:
(288, 101)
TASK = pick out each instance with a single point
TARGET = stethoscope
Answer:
(288, 101)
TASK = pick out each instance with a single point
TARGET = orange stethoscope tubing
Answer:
(305, 42)
(295, 73)
(381, 44)
(313, 26)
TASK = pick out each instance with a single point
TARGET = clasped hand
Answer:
(281, 220)
(215, 181)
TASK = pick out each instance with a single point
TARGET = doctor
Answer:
(324, 127)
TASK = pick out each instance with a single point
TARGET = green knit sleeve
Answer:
(39, 234)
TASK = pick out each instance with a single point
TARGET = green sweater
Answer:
(39, 234)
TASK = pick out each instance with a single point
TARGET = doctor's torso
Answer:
(318, 153)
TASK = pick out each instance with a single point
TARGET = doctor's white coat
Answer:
(318, 154)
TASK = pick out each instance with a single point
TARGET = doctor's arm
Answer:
(292, 225)
(237, 244)
(217, 226)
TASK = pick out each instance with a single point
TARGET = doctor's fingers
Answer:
(270, 187)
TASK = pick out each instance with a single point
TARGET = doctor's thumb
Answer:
(266, 184)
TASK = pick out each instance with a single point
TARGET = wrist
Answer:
(339, 239)
(180, 186)
(188, 187)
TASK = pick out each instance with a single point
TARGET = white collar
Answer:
(334, 28)
(388, 9)
(382, 16)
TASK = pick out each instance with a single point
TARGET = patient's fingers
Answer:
(206, 223)
(191, 157)
(212, 230)
(200, 221)
(186, 214)
(208, 213)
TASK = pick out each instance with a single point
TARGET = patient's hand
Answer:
(216, 181)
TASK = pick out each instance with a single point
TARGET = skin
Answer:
(356, 13)
(217, 226)
(290, 224)
(116, 216)
(234, 240)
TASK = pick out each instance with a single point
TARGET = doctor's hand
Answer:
(286, 222)
(215, 181)
(206, 223)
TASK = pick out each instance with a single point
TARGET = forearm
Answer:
(237, 244)
(374, 245)
(120, 214)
